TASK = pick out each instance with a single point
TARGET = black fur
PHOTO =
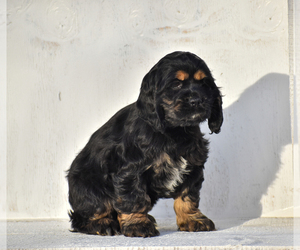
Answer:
(148, 150)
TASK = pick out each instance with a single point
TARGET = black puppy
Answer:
(150, 149)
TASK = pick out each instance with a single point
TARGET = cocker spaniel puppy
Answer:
(148, 150)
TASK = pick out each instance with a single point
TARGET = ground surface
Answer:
(261, 233)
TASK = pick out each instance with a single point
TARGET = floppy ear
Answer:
(147, 105)
(216, 118)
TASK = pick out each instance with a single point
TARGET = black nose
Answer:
(195, 101)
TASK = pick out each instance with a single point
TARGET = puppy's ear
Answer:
(149, 110)
(216, 118)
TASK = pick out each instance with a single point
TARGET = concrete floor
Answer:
(260, 233)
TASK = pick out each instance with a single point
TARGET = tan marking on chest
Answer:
(175, 170)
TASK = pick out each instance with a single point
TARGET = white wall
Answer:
(72, 64)
(295, 100)
(294, 25)
(3, 131)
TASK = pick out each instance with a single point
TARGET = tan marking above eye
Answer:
(182, 75)
(199, 75)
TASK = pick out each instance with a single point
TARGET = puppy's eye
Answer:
(176, 85)
(206, 82)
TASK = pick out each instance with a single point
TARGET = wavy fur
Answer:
(148, 150)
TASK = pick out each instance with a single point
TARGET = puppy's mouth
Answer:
(197, 113)
(195, 118)
(189, 118)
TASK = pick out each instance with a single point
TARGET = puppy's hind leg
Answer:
(101, 223)
(104, 224)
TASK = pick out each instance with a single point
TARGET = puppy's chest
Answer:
(167, 174)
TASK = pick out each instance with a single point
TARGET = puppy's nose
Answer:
(195, 101)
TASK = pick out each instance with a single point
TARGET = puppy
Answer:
(148, 150)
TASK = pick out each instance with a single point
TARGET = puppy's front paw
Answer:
(195, 223)
(145, 229)
(189, 218)
(138, 225)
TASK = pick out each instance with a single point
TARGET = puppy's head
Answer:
(179, 91)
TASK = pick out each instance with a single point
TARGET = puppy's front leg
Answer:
(133, 204)
(188, 216)
(138, 225)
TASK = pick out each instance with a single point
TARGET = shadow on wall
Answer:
(246, 155)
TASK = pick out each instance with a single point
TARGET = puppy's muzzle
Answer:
(195, 100)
